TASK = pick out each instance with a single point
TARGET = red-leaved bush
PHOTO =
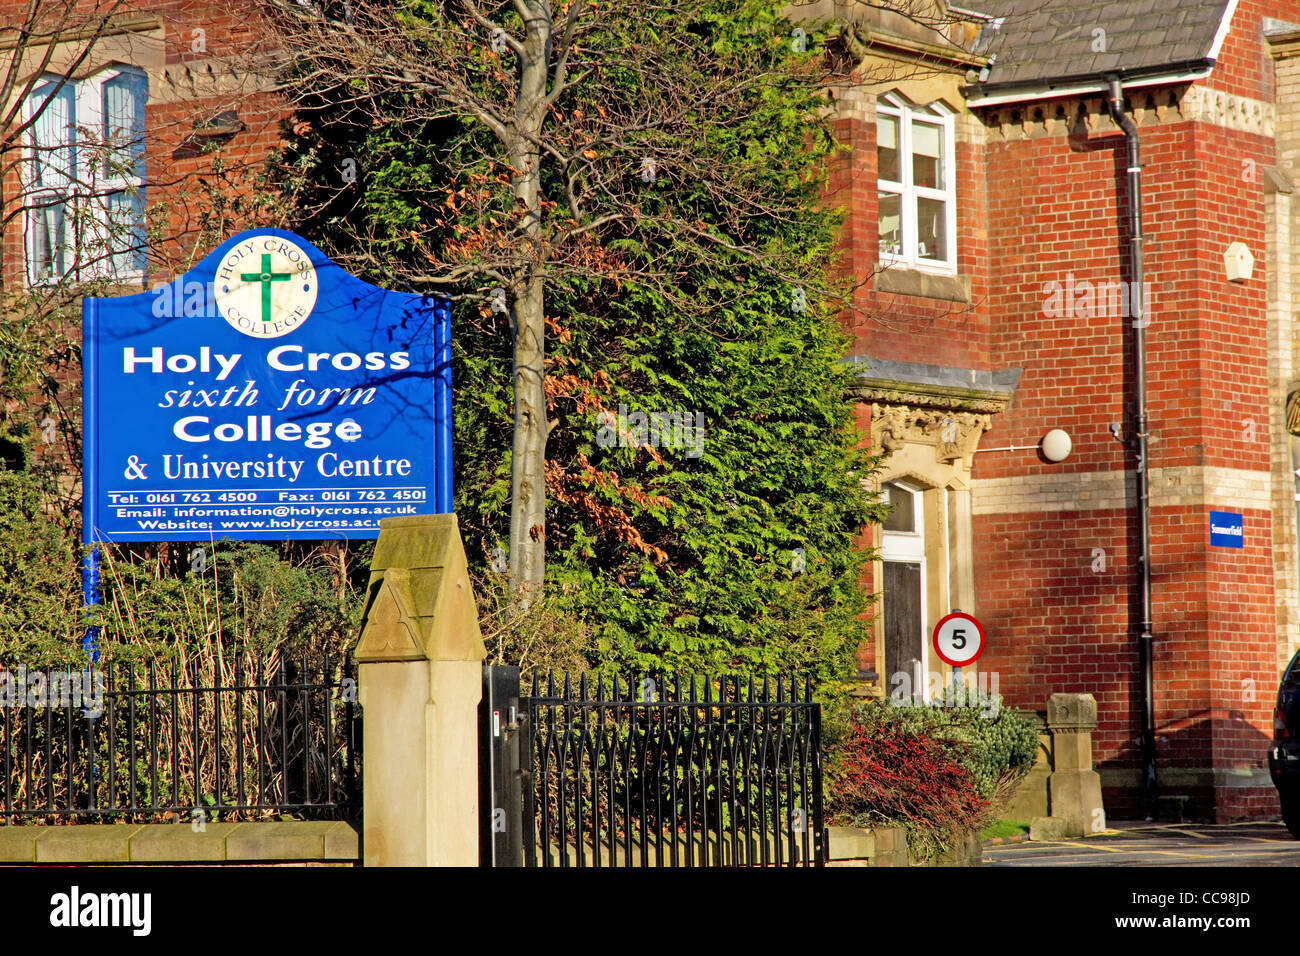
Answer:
(885, 775)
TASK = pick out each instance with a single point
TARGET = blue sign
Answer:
(265, 394)
(1226, 530)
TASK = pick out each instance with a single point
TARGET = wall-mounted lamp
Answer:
(1055, 446)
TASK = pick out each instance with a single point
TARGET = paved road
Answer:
(1160, 844)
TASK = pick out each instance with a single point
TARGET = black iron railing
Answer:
(204, 740)
(661, 772)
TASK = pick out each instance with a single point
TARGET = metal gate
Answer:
(652, 772)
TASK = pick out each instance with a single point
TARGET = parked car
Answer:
(1284, 756)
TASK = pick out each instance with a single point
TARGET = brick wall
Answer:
(196, 55)
(1042, 200)
(1061, 203)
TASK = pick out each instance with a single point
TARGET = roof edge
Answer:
(1184, 72)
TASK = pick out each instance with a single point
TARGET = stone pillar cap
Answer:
(1072, 712)
(420, 604)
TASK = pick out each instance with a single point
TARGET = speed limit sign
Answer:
(958, 639)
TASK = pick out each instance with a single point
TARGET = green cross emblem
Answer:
(266, 277)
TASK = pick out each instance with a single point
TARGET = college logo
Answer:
(266, 287)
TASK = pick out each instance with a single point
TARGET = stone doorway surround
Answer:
(930, 419)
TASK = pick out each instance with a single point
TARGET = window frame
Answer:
(905, 113)
(908, 547)
(86, 195)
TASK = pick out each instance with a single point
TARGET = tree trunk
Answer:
(528, 461)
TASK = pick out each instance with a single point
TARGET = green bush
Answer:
(246, 596)
(40, 577)
(872, 776)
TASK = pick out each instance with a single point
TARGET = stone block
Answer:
(1076, 799)
(179, 843)
(18, 843)
(1072, 750)
(1048, 829)
(851, 843)
(93, 843)
(281, 840)
(342, 842)
(1072, 712)
(1030, 799)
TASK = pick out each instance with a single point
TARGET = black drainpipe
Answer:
(1115, 103)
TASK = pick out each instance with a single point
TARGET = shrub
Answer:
(40, 578)
(246, 596)
(885, 774)
(938, 771)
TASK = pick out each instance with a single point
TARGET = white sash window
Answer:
(915, 172)
(86, 177)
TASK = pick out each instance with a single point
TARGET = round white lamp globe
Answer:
(1057, 445)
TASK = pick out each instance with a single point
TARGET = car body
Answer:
(1284, 755)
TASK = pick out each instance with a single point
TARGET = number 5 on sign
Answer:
(958, 639)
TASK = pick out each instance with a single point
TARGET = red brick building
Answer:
(136, 134)
(990, 194)
(991, 204)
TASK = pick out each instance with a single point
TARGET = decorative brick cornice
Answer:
(1200, 104)
(207, 78)
(1084, 115)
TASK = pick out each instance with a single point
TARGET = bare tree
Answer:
(559, 117)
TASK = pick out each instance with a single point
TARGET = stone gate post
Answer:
(1074, 787)
(420, 680)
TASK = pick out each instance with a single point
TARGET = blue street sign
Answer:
(265, 394)
(1227, 530)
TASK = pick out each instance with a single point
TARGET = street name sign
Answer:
(266, 394)
(1227, 529)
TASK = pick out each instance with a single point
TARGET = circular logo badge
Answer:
(266, 287)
